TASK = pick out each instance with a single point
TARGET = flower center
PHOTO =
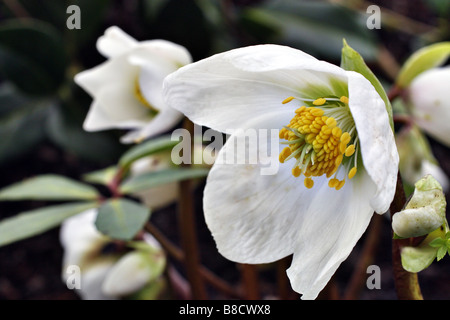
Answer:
(322, 138)
(140, 97)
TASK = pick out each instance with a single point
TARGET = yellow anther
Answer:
(344, 99)
(338, 160)
(337, 132)
(350, 150)
(287, 100)
(345, 138)
(333, 183)
(296, 172)
(140, 97)
(317, 112)
(319, 102)
(352, 172)
(331, 123)
(286, 152)
(318, 144)
(340, 185)
(309, 183)
(300, 110)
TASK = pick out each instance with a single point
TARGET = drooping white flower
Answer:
(106, 272)
(338, 157)
(430, 105)
(127, 88)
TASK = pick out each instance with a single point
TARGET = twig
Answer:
(406, 283)
(188, 232)
(178, 255)
(249, 275)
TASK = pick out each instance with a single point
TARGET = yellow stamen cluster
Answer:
(140, 97)
(318, 144)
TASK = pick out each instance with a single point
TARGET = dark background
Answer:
(49, 139)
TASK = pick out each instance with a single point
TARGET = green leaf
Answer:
(438, 242)
(32, 55)
(31, 223)
(64, 128)
(154, 179)
(121, 218)
(428, 57)
(145, 149)
(48, 187)
(315, 27)
(416, 259)
(351, 60)
(21, 121)
(103, 176)
(442, 251)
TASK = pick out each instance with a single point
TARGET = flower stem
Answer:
(176, 253)
(406, 283)
(249, 275)
(188, 232)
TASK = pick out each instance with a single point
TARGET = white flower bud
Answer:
(425, 211)
(428, 95)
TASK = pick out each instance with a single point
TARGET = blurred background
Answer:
(42, 110)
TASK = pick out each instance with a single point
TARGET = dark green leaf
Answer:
(154, 179)
(21, 120)
(48, 187)
(32, 56)
(121, 218)
(65, 129)
(103, 176)
(31, 223)
(312, 26)
(145, 149)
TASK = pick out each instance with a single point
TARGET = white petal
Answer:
(430, 104)
(378, 148)
(115, 42)
(226, 90)
(116, 107)
(163, 121)
(92, 280)
(78, 236)
(112, 71)
(156, 59)
(129, 274)
(171, 52)
(254, 218)
(335, 221)
(111, 85)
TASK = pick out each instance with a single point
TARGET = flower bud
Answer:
(429, 103)
(425, 211)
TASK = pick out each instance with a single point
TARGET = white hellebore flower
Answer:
(339, 166)
(429, 102)
(105, 271)
(127, 88)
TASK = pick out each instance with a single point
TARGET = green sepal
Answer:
(426, 58)
(351, 60)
